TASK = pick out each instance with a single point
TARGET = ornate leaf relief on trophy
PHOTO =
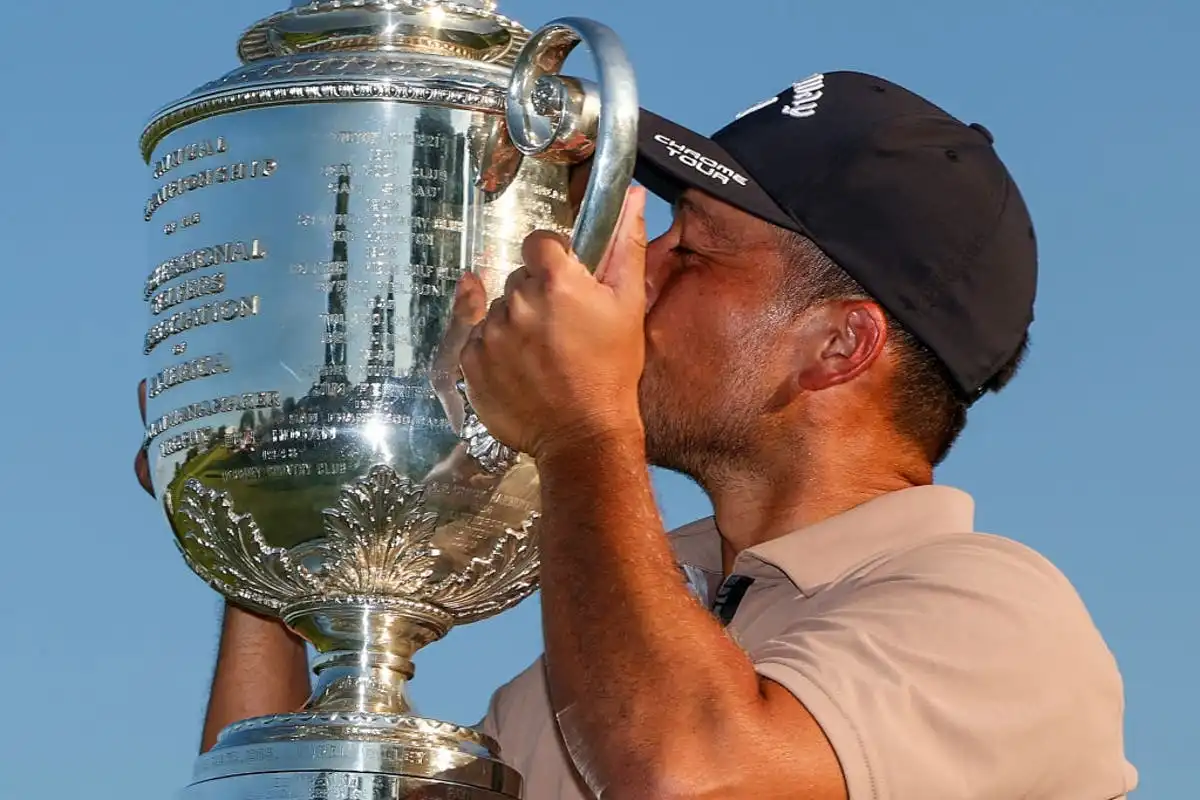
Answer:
(237, 560)
(379, 541)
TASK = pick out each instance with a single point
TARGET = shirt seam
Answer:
(883, 557)
(791, 674)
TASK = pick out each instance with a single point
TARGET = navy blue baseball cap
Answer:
(912, 203)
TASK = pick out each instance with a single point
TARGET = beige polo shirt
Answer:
(942, 664)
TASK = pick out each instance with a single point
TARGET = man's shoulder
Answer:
(970, 557)
(999, 660)
(994, 591)
(698, 531)
(976, 568)
(524, 693)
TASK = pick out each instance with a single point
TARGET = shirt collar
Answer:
(815, 555)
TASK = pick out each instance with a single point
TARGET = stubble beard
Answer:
(703, 436)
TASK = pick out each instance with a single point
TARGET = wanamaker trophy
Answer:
(308, 432)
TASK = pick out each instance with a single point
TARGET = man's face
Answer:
(714, 312)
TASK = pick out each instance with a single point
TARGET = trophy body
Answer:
(309, 216)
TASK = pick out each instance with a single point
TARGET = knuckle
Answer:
(542, 248)
(558, 283)
(468, 360)
(496, 312)
(514, 281)
(491, 335)
(520, 309)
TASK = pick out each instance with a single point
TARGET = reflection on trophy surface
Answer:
(309, 216)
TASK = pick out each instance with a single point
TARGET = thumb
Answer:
(624, 266)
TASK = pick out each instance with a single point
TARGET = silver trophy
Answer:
(309, 435)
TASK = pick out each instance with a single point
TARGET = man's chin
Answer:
(659, 452)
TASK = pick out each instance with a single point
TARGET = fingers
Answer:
(545, 253)
(470, 305)
(624, 266)
(141, 462)
(141, 467)
(470, 300)
(514, 281)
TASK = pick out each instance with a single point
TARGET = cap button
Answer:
(986, 133)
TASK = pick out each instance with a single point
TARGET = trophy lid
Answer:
(456, 53)
(468, 29)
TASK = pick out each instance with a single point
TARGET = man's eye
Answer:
(682, 253)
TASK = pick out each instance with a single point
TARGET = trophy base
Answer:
(334, 786)
(351, 756)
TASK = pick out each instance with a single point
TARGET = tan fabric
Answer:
(943, 664)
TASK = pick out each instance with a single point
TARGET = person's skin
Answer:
(684, 354)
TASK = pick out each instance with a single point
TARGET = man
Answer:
(848, 270)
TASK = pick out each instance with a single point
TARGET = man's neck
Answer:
(751, 509)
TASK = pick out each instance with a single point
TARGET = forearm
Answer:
(262, 668)
(644, 675)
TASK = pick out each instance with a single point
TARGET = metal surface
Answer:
(356, 752)
(565, 119)
(309, 216)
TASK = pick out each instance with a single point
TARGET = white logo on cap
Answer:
(706, 166)
(758, 107)
(805, 95)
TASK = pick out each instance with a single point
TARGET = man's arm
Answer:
(654, 699)
(262, 668)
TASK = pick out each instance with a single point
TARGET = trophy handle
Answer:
(567, 120)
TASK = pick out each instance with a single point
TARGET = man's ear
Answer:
(838, 342)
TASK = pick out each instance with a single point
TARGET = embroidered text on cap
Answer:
(805, 95)
(701, 163)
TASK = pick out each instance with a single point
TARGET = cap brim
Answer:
(672, 159)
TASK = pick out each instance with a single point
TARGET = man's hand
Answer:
(141, 462)
(558, 358)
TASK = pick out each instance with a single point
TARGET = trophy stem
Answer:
(360, 682)
(365, 647)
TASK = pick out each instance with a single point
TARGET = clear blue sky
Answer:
(1089, 457)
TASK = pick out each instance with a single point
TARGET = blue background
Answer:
(108, 640)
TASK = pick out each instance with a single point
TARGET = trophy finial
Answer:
(484, 5)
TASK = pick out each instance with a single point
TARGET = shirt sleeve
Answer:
(517, 711)
(965, 669)
(521, 720)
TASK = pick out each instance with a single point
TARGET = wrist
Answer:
(244, 624)
(600, 438)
